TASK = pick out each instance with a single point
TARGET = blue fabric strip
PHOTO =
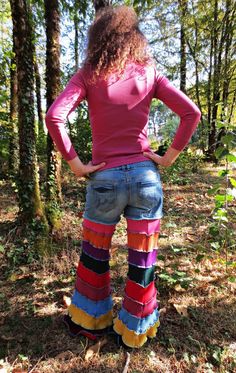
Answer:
(137, 324)
(93, 308)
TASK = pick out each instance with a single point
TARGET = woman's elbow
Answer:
(48, 118)
(197, 114)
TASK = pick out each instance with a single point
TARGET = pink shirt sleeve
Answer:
(65, 103)
(181, 105)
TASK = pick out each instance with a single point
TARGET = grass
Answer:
(196, 291)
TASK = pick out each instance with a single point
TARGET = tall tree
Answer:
(53, 86)
(13, 160)
(183, 44)
(30, 204)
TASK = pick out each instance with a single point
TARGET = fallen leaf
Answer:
(64, 355)
(91, 351)
(117, 299)
(191, 239)
(182, 310)
(113, 250)
(162, 311)
(178, 198)
(15, 276)
(66, 301)
(179, 288)
(7, 338)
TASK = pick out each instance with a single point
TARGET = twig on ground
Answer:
(126, 367)
(31, 370)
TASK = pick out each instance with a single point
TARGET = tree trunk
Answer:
(216, 93)
(38, 97)
(183, 59)
(76, 42)
(30, 204)
(99, 4)
(13, 160)
(52, 20)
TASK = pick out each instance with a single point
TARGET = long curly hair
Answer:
(114, 39)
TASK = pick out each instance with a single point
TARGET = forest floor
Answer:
(196, 290)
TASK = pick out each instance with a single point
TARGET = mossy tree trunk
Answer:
(53, 87)
(13, 160)
(30, 204)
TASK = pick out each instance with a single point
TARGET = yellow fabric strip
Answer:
(130, 338)
(83, 319)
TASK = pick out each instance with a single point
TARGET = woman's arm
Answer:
(56, 117)
(189, 115)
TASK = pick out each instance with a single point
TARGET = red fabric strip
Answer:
(92, 278)
(91, 292)
(138, 309)
(139, 293)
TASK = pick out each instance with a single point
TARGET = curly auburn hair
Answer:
(114, 39)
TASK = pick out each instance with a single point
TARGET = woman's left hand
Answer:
(83, 170)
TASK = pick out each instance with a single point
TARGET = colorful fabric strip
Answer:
(139, 293)
(99, 240)
(139, 325)
(147, 227)
(81, 318)
(98, 227)
(142, 276)
(141, 259)
(95, 265)
(91, 292)
(130, 338)
(93, 278)
(95, 253)
(142, 242)
(93, 308)
(139, 309)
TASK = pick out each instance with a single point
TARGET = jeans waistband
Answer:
(132, 166)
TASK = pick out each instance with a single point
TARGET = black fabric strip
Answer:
(142, 276)
(97, 266)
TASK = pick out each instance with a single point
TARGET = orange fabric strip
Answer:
(98, 240)
(142, 242)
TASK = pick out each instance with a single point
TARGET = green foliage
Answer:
(81, 134)
(224, 192)
(182, 170)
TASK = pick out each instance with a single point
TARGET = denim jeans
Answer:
(133, 190)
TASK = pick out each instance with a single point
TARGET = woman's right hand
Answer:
(166, 160)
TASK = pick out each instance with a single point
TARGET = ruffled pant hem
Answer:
(130, 338)
(87, 321)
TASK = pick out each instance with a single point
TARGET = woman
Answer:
(119, 80)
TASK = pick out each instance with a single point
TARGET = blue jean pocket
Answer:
(149, 194)
(103, 196)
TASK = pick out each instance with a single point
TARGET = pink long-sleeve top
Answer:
(118, 112)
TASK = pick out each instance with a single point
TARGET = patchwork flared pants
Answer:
(91, 305)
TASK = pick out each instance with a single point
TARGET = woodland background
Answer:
(42, 45)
